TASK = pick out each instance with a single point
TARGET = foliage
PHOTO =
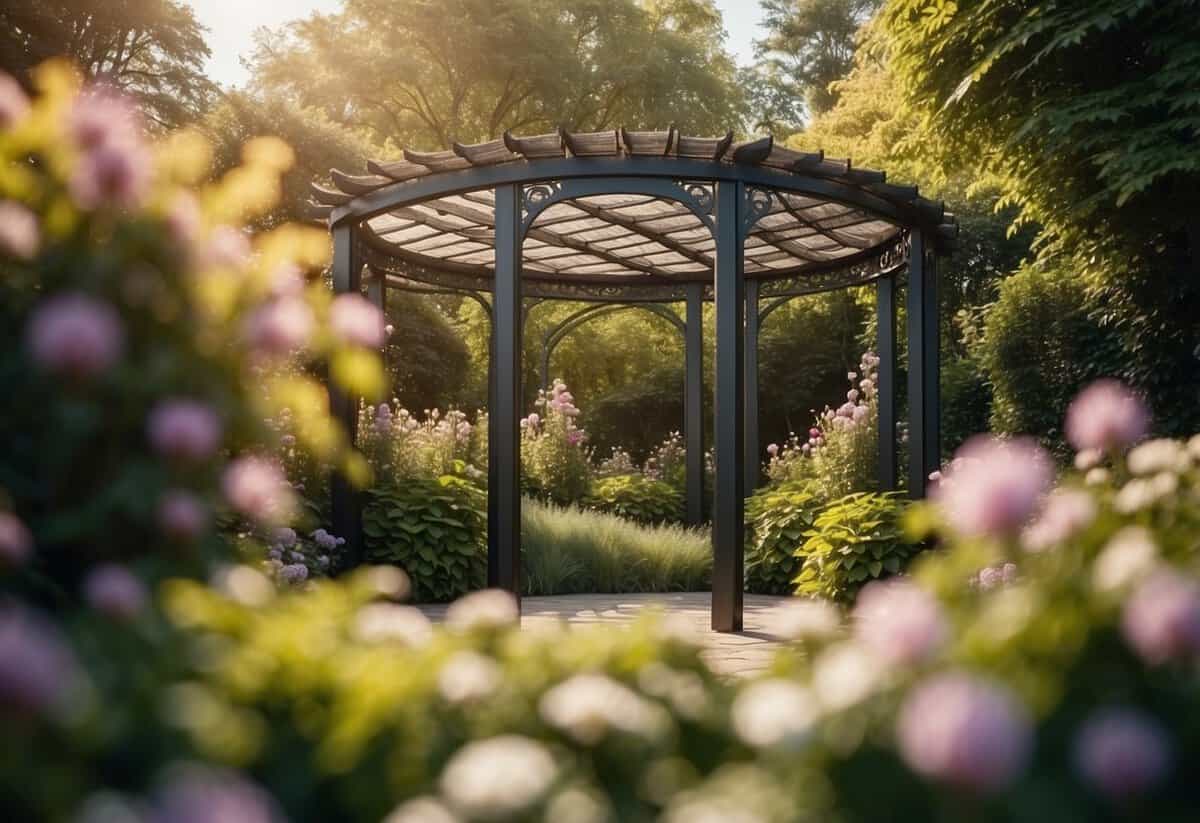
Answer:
(854, 540)
(402, 446)
(565, 550)
(133, 312)
(425, 355)
(809, 45)
(433, 529)
(1040, 345)
(633, 415)
(777, 518)
(153, 50)
(527, 66)
(555, 460)
(636, 497)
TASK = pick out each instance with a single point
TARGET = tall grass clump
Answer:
(566, 550)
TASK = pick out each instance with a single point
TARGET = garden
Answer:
(191, 632)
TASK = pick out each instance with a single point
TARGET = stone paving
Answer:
(742, 654)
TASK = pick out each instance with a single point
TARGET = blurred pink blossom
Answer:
(962, 730)
(37, 668)
(256, 488)
(1161, 618)
(111, 175)
(182, 515)
(76, 335)
(772, 449)
(1106, 416)
(19, 234)
(115, 592)
(900, 622)
(103, 117)
(16, 541)
(280, 326)
(183, 219)
(1066, 513)
(183, 429)
(1122, 752)
(14, 104)
(993, 486)
(202, 794)
(357, 321)
(226, 247)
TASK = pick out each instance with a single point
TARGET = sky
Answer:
(231, 25)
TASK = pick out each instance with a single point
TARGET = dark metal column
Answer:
(345, 503)
(728, 396)
(923, 396)
(693, 402)
(504, 443)
(753, 451)
(377, 294)
(885, 388)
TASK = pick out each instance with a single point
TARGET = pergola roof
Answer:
(627, 242)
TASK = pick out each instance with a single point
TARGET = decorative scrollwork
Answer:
(536, 194)
(702, 193)
(757, 206)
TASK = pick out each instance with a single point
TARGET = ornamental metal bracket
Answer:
(756, 205)
(534, 197)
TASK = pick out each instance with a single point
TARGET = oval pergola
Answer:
(626, 217)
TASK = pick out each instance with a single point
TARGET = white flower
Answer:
(578, 806)
(844, 675)
(806, 620)
(1097, 476)
(1127, 557)
(497, 778)
(1065, 513)
(385, 622)
(244, 585)
(1088, 459)
(490, 608)
(684, 690)
(1161, 455)
(774, 712)
(1143, 492)
(421, 810)
(587, 706)
(468, 677)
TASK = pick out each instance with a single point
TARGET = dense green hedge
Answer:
(636, 497)
(777, 519)
(853, 541)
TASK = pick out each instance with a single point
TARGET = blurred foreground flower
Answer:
(994, 486)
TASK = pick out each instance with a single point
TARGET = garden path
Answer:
(741, 654)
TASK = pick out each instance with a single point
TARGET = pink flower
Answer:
(814, 432)
(37, 669)
(111, 175)
(1161, 618)
(102, 117)
(257, 489)
(576, 436)
(201, 794)
(900, 622)
(19, 235)
(1122, 752)
(357, 321)
(280, 327)
(860, 414)
(76, 335)
(1106, 416)
(183, 220)
(1066, 513)
(965, 731)
(226, 248)
(183, 429)
(182, 516)
(994, 485)
(773, 449)
(16, 541)
(14, 104)
(115, 592)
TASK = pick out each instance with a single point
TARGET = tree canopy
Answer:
(152, 49)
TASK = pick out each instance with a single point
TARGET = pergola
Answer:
(646, 218)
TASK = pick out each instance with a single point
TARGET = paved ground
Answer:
(742, 654)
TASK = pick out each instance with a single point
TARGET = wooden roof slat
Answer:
(703, 148)
(592, 144)
(652, 143)
(535, 146)
(753, 152)
(397, 170)
(486, 154)
(437, 160)
(328, 196)
(357, 184)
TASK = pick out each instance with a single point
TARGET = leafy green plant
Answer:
(434, 529)
(636, 497)
(854, 540)
(777, 519)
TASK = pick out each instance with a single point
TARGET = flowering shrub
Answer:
(841, 450)
(434, 529)
(854, 539)
(147, 335)
(402, 447)
(555, 459)
(637, 497)
(668, 462)
(778, 517)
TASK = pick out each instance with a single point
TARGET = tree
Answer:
(152, 49)
(527, 65)
(809, 45)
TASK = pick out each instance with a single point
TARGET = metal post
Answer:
(504, 444)
(345, 503)
(693, 402)
(933, 394)
(885, 388)
(729, 395)
(923, 434)
(753, 462)
(377, 294)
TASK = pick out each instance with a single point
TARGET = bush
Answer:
(401, 446)
(567, 550)
(555, 460)
(434, 529)
(777, 519)
(636, 497)
(853, 541)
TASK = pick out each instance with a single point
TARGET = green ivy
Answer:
(435, 529)
(636, 497)
(854, 540)
(777, 518)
